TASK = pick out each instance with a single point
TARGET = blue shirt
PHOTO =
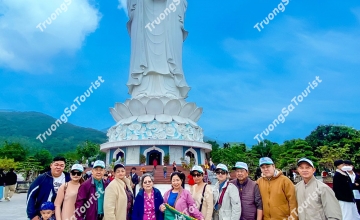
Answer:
(172, 198)
(99, 189)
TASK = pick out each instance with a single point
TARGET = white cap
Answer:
(241, 165)
(77, 167)
(305, 160)
(99, 163)
(222, 167)
(197, 168)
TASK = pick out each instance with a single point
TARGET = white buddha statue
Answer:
(156, 28)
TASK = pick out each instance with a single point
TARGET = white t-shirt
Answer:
(58, 181)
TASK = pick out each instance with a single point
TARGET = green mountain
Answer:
(25, 127)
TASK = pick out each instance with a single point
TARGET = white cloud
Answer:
(123, 5)
(24, 47)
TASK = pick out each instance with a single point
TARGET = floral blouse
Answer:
(149, 206)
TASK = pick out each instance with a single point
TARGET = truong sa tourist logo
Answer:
(69, 110)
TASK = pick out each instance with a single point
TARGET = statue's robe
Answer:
(156, 55)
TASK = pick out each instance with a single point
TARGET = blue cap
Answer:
(99, 163)
(47, 206)
(265, 160)
(241, 165)
(305, 160)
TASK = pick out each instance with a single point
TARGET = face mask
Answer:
(346, 168)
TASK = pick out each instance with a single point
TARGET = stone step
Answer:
(159, 174)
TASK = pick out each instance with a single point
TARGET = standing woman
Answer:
(2, 183)
(226, 196)
(66, 196)
(148, 201)
(180, 198)
(118, 200)
(202, 193)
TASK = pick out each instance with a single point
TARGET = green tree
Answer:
(331, 153)
(14, 151)
(30, 167)
(215, 152)
(89, 149)
(295, 150)
(6, 164)
(44, 157)
(327, 135)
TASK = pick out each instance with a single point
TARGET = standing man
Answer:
(343, 188)
(90, 197)
(355, 178)
(316, 200)
(251, 203)
(134, 180)
(45, 186)
(277, 192)
(10, 183)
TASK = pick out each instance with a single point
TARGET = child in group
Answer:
(47, 211)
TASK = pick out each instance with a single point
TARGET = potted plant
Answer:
(142, 159)
(166, 159)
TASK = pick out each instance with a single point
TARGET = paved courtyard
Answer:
(16, 208)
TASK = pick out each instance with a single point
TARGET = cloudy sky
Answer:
(242, 77)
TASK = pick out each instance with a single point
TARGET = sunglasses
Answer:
(147, 182)
(196, 175)
(76, 173)
(221, 172)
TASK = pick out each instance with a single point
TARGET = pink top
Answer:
(185, 203)
(149, 206)
(68, 201)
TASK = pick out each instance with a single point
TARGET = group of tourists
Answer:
(62, 196)
(8, 182)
